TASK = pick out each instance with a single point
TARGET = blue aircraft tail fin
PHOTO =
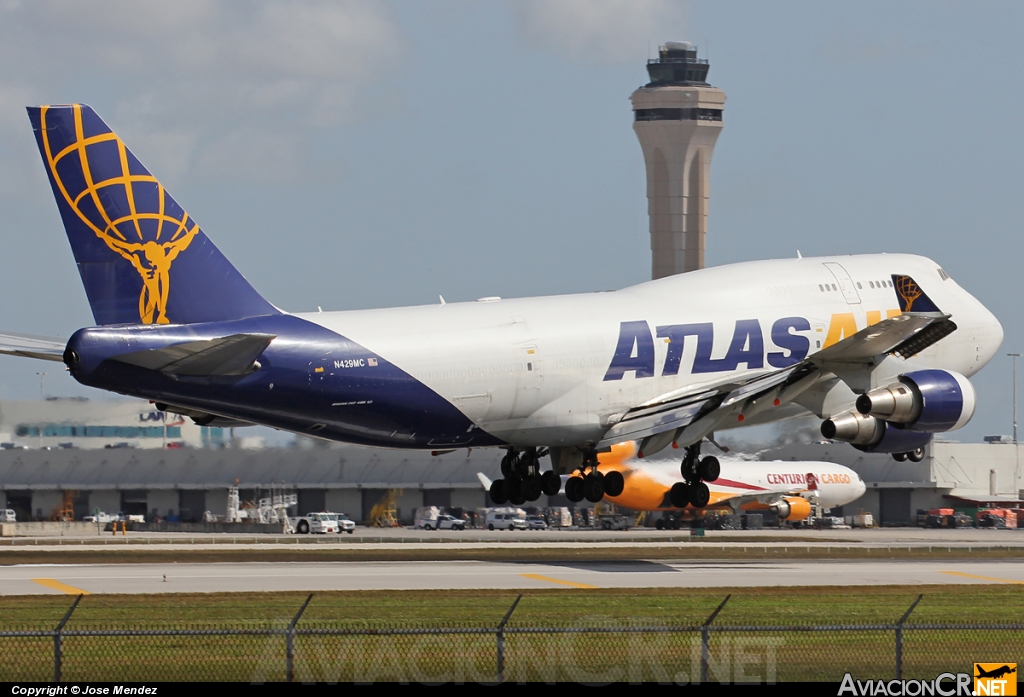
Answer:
(141, 256)
(911, 296)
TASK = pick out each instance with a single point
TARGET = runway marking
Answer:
(982, 578)
(538, 577)
(58, 586)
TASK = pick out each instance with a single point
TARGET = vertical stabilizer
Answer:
(141, 256)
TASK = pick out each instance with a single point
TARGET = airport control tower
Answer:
(678, 117)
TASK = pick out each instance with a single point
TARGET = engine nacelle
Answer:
(928, 401)
(792, 508)
(872, 435)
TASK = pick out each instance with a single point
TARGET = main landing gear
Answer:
(593, 486)
(523, 481)
(913, 455)
(695, 470)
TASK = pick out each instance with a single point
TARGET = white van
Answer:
(505, 519)
(7, 515)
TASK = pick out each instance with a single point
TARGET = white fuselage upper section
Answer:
(536, 371)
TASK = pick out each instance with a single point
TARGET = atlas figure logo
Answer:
(149, 233)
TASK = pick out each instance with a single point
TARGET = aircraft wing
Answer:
(764, 497)
(902, 336)
(680, 408)
(224, 356)
(30, 346)
(484, 481)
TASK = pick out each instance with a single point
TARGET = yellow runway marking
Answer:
(982, 578)
(58, 586)
(538, 577)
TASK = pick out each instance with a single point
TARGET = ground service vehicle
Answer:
(505, 519)
(315, 523)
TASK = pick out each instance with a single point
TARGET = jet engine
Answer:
(872, 435)
(929, 401)
(791, 508)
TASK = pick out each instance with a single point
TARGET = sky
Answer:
(370, 154)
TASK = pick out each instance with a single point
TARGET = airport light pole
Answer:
(1016, 446)
(1014, 356)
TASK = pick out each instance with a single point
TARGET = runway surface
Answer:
(444, 575)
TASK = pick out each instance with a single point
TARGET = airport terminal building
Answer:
(125, 456)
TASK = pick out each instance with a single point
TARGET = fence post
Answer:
(899, 637)
(289, 641)
(705, 640)
(58, 640)
(501, 639)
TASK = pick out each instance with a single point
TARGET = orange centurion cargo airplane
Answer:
(788, 489)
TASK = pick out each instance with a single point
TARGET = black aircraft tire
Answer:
(614, 483)
(574, 489)
(514, 491)
(508, 464)
(593, 488)
(709, 469)
(700, 495)
(916, 455)
(498, 495)
(532, 488)
(679, 494)
(550, 483)
(899, 457)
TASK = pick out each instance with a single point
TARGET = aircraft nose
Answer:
(860, 487)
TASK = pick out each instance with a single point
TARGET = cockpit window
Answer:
(943, 275)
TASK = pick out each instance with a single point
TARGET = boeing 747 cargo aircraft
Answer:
(880, 346)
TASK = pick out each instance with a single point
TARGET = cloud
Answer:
(601, 31)
(184, 80)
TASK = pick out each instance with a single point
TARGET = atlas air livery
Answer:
(881, 347)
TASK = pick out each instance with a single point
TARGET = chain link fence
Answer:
(597, 654)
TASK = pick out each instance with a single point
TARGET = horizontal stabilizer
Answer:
(224, 356)
(29, 346)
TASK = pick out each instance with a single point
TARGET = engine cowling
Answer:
(927, 401)
(792, 508)
(872, 435)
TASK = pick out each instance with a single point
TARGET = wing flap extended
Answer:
(903, 335)
(30, 346)
(680, 408)
(225, 356)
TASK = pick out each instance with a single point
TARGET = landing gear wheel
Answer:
(899, 457)
(916, 455)
(709, 469)
(660, 524)
(614, 483)
(514, 491)
(532, 487)
(688, 468)
(508, 464)
(498, 494)
(700, 495)
(574, 489)
(550, 483)
(593, 487)
(679, 494)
